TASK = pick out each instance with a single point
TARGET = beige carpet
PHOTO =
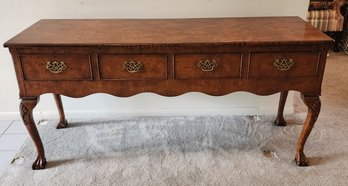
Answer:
(240, 150)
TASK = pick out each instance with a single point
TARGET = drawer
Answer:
(208, 65)
(283, 64)
(132, 66)
(42, 67)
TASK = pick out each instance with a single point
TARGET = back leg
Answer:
(62, 121)
(280, 121)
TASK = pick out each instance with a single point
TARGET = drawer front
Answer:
(132, 66)
(208, 65)
(283, 64)
(42, 67)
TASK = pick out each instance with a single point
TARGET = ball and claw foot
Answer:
(280, 122)
(62, 125)
(301, 160)
(39, 163)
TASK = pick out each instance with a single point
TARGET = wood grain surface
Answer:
(168, 31)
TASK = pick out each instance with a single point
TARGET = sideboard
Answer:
(124, 57)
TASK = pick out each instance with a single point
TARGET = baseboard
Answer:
(149, 112)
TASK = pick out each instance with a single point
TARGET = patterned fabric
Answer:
(328, 19)
(321, 4)
(322, 14)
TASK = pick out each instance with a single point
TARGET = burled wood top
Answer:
(82, 32)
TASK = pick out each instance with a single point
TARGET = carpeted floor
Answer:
(219, 150)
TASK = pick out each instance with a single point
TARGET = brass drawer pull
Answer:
(132, 66)
(207, 65)
(284, 64)
(55, 66)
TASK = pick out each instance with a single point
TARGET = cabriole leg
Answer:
(313, 103)
(279, 121)
(26, 110)
(62, 121)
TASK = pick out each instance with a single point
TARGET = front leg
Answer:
(26, 109)
(280, 121)
(62, 121)
(313, 103)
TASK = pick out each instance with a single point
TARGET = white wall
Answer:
(16, 15)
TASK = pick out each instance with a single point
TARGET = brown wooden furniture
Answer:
(169, 57)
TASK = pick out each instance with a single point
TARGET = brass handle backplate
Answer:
(207, 65)
(284, 64)
(132, 66)
(55, 66)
